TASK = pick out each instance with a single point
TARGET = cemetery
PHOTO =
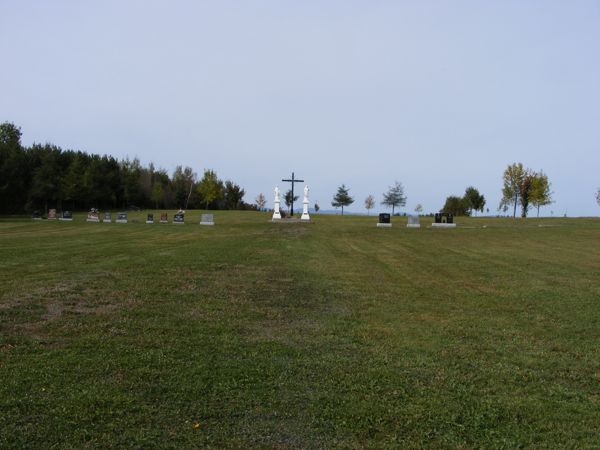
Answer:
(335, 334)
(300, 225)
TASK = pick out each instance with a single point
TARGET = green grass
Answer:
(320, 335)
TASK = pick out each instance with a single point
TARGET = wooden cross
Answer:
(293, 181)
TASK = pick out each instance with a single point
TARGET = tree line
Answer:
(521, 187)
(45, 176)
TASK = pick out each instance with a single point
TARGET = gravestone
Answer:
(164, 218)
(179, 218)
(107, 218)
(121, 217)
(413, 222)
(444, 220)
(52, 214)
(207, 219)
(67, 216)
(93, 216)
(150, 219)
(384, 221)
(36, 215)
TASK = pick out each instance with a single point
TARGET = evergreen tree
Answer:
(342, 198)
(394, 196)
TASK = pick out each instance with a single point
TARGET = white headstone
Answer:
(207, 219)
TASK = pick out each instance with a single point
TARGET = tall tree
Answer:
(210, 187)
(14, 173)
(598, 196)
(513, 178)
(233, 195)
(540, 194)
(419, 208)
(474, 200)
(369, 204)
(394, 197)
(260, 201)
(342, 198)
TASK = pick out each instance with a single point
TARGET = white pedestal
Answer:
(276, 213)
(384, 225)
(305, 215)
(413, 225)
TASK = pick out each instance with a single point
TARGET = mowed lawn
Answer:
(328, 334)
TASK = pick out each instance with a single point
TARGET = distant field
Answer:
(328, 334)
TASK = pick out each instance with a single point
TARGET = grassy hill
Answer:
(328, 334)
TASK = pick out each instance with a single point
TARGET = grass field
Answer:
(320, 335)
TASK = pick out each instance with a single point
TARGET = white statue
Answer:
(305, 215)
(276, 212)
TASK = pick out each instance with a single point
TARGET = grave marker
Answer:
(121, 217)
(207, 219)
(107, 218)
(93, 216)
(179, 218)
(384, 220)
(67, 216)
(150, 219)
(413, 222)
(444, 220)
(164, 218)
(52, 214)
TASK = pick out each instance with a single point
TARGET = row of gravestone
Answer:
(93, 216)
(441, 220)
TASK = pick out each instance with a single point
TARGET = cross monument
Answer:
(293, 181)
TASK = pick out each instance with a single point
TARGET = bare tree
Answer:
(369, 204)
(261, 201)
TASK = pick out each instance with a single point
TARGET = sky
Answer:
(438, 95)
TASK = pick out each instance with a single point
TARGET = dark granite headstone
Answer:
(107, 217)
(36, 215)
(121, 217)
(179, 218)
(384, 218)
(67, 216)
(150, 219)
(384, 221)
(444, 218)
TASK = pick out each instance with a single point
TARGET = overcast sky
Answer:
(439, 95)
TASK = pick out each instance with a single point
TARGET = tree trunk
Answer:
(342, 210)
(515, 210)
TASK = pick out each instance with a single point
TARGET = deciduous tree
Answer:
(512, 183)
(210, 188)
(369, 204)
(474, 200)
(233, 195)
(456, 205)
(540, 194)
(260, 201)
